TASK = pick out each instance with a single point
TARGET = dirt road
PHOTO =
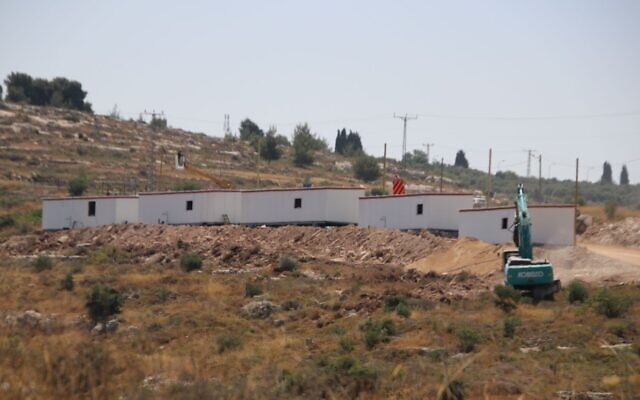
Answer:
(626, 254)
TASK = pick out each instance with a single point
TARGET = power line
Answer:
(404, 119)
(535, 117)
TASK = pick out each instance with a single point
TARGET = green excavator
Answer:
(520, 269)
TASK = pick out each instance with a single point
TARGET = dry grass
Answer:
(598, 214)
(167, 347)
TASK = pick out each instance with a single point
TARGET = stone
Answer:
(259, 309)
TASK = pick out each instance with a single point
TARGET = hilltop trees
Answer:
(269, 149)
(250, 130)
(348, 144)
(305, 144)
(366, 168)
(59, 92)
(624, 176)
(607, 175)
(461, 160)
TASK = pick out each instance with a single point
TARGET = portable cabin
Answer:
(435, 211)
(551, 224)
(79, 212)
(212, 206)
(301, 206)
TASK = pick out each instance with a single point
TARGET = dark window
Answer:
(419, 209)
(189, 205)
(505, 223)
(92, 208)
(297, 203)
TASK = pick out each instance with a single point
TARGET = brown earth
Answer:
(623, 233)
(235, 246)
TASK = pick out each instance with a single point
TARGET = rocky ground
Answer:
(623, 233)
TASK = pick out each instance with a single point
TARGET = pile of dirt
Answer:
(235, 246)
(578, 262)
(467, 254)
(622, 233)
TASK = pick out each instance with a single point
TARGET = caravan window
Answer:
(297, 203)
(189, 205)
(419, 209)
(505, 223)
(92, 208)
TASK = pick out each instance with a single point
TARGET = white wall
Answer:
(342, 205)
(208, 207)
(440, 211)
(550, 225)
(65, 213)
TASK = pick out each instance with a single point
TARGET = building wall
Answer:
(208, 207)
(440, 211)
(68, 213)
(342, 205)
(550, 225)
(127, 210)
(277, 207)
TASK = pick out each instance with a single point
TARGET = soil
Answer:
(621, 233)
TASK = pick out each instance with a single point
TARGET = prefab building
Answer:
(551, 224)
(301, 206)
(80, 212)
(190, 207)
(436, 211)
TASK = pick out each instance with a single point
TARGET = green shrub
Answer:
(67, 282)
(403, 310)
(468, 339)
(287, 264)
(454, 390)
(378, 331)
(346, 344)
(578, 292)
(366, 168)
(509, 326)
(610, 209)
(190, 262)
(252, 289)
(42, 263)
(507, 297)
(392, 302)
(228, 342)
(103, 301)
(376, 191)
(610, 304)
(292, 382)
(289, 305)
(7, 221)
(78, 184)
(163, 294)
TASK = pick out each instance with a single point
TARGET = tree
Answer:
(158, 123)
(419, 157)
(461, 160)
(624, 176)
(0, 92)
(341, 141)
(60, 92)
(78, 185)
(249, 130)
(607, 175)
(269, 149)
(19, 86)
(304, 144)
(348, 145)
(366, 168)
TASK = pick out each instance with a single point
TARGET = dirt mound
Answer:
(467, 254)
(578, 262)
(236, 245)
(622, 233)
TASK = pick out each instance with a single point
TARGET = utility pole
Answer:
(227, 125)
(258, 164)
(428, 146)
(576, 203)
(404, 119)
(540, 175)
(441, 172)
(384, 169)
(529, 154)
(151, 178)
(489, 189)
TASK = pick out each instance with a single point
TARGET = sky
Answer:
(559, 77)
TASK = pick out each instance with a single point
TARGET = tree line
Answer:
(58, 92)
(607, 175)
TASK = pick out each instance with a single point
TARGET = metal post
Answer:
(576, 202)
(441, 172)
(489, 182)
(384, 170)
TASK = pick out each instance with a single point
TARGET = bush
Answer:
(392, 302)
(163, 294)
(507, 297)
(610, 209)
(252, 289)
(190, 262)
(509, 326)
(42, 263)
(7, 221)
(366, 168)
(346, 345)
(610, 304)
(287, 263)
(289, 305)
(67, 282)
(454, 390)
(102, 302)
(577, 292)
(468, 339)
(403, 310)
(376, 191)
(78, 185)
(228, 342)
(378, 331)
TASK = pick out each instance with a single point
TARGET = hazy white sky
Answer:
(561, 77)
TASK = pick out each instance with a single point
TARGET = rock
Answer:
(154, 259)
(278, 322)
(99, 328)
(616, 346)
(259, 309)
(526, 350)
(112, 325)
(571, 395)
(63, 239)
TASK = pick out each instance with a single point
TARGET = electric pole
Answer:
(529, 155)
(441, 172)
(151, 174)
(404, 119)
(227, 125)
(428, 146)
(489, 189)
(384, 170)
(540, 175)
